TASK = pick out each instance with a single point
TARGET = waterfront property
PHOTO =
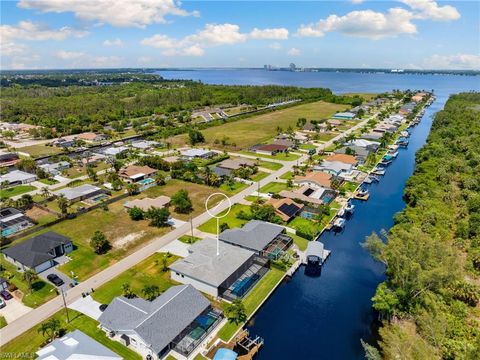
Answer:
(90, 137)
(177, 320)
(137, 174)
(55, 168)
(286, 208)
(313, 194)
(8, 159)
(263, 238)
(18, 177)
(230, 274)
(76, 345)
(39, 252)
(12, 221)
(80, 193)
(314, 178)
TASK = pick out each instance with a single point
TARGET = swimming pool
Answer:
(146, 181)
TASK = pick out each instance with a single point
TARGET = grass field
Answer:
(253, 300)
(188, 239)
(279, 156)
(231, 219)
(287, 175)
(32, 340)
(40, 150)
(299, 241)
(16, 190)
(3, 322)
(42, 291)
(148, 272)
(264, 126)
(269, 165)
(273, 187)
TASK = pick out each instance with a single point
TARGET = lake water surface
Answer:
(325, 317)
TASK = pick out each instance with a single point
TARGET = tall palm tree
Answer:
(45, 192)
(63, 204)
(30, 276)
(50, 328)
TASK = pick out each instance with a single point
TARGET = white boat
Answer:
(350, 208)
(339, 223)
(393, 154)
(393, 147)
(341, 213)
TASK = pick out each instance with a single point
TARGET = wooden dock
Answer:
(361, 197)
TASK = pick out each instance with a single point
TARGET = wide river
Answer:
(325, 317)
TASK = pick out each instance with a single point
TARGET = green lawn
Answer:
(42, 291)
(32, 340)
(188, 239)
(269, 165)
(16, 190)
(299, 241)
(305, 226)
(40, 150)
(273, 187)
(287, 175)
(148, 272)
(259, 176)
(279, 156)
(348, 186)
(211, 225)
(3, 322)
(231, 190)
(307, 147)
(48, 181)
(253, 300)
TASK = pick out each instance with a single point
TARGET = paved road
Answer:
(46, 310)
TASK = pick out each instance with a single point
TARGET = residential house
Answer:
(269, 149)
(92, 159)
(347, 159)
(286, 208)
(230, 273)
(314, 178)
(369, 145)
(258, 236)
(309, 127)
(78, 193)
(289, 143)
(191, 154)
(334, 122)
(419, 96)
(228, 166)
(372, 135)
(113, 151)
(18, 177)
(360, 153)
(91, 137)
(312, 194)
(12, 221)
(136, 173)
(39, 252)
(344, 116)
(65, 142)
(76, 346)
(55, 168)
(144, 144)
(146, 204)
(336, 168)
(8, 159)
(177, 320)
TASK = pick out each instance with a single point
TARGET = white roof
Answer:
(362, 143)
(195, 152)
(76, 346)
(115, 150)
(17, 175)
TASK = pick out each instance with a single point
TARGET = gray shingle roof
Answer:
(157, 322)
(34, 251)
(255, 235)
(203, 263)
(78, 191)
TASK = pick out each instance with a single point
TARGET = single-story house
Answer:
(371, 145)
(144, 144)
(91, 137)
(315, 178)
(215, 274)
(56, 168)
(113, 151)
(65, 142)
(76, 346)
(395, 119)
(360, 153)
(336, 168)
(146, 203)
(269, 149)
(80, 192)
(177, 320)
(256, 236)
(39, 252)
(286, 142)
(372, 135)
(18, 177)
(344, 116)
(235, 164)
(191, 154)
(92, 159)
(136, 173)
(13, 220)
(419, 96)
(309, 127)
(344, 158)
(312, 194)
(8, 159)
(3, 284)
(334, 122)
(286, 208)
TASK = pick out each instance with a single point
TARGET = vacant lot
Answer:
(261, 128)
(40, 150)
(16, 190)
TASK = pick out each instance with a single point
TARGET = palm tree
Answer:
(150, 292)
(132, 189)
(50, 328)
(127, 291)
(45, 192)
(30, 276)
(63, 204)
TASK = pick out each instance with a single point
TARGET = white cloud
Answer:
(429, 9)
(269, 34)
(69, 55)
(122, 13)
(106, 61)
(294, 52)
(453, 62)
(27, 30)
(144, 60)
(275, 46)
(10, 48)
(211, 35)
(114, 42)
(365, 23)
(356, 1)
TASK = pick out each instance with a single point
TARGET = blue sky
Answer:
(424, 34)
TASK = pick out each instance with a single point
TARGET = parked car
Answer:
(55, 279)
(2, 303)
(103, 307)
(5, 294)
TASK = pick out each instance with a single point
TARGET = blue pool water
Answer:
(146, 181)
(325, 317)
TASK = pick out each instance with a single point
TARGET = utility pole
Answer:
(65, 304)
(191, 225)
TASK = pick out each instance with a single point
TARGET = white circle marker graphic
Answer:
(211, 206)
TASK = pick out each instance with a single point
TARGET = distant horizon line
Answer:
(286, 68)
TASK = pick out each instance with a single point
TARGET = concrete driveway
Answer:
(176, 223)
(88, 306)
(14, 310)
(176, 247)
(61, 275)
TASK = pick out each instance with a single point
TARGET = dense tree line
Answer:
(429, 302)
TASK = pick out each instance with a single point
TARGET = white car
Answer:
(2, 303)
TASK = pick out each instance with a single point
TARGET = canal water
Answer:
(325, 317)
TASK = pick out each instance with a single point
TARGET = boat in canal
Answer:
(350, 208)
(339, 224)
